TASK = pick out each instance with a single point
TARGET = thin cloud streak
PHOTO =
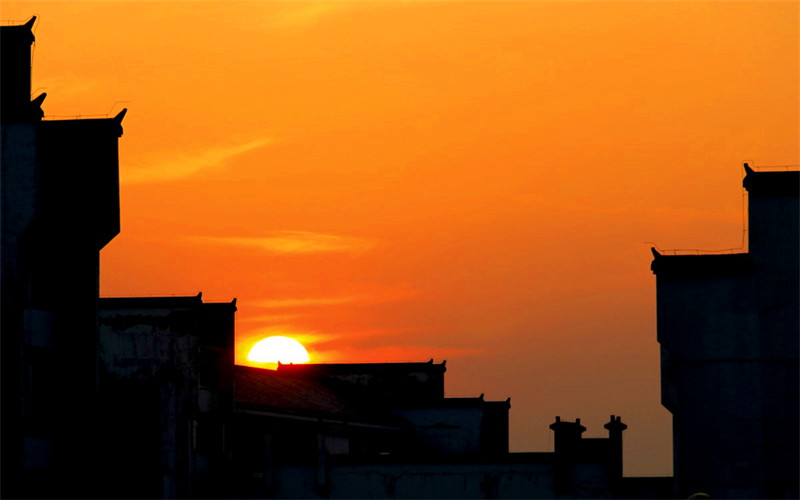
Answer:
(373, 297)
(394, 353)
(67, 85)
(269, 318)
(319, 338)
(295, 242)
(307, 302)
(306, 14)
(188, 165)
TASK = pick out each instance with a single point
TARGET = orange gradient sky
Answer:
(469, 181)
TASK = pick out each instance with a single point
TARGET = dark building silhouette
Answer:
(166, 375)
(386, 430)
(728, 326)
(198, 426)
(60, 206)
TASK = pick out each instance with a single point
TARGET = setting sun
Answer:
(278, 349)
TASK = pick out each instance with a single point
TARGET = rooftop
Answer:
(168, 302)
(772, 183)
(267, 389)
(701, 265)
(307, 369)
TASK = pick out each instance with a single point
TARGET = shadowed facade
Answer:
(728, 326)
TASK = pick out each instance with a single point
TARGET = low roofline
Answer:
(158, 302)
(347, 367)
(113, 123)
(771, 183)
(702, 265)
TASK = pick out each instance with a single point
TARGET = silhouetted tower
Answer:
(566, 444)
(728, 328)
(60, 206)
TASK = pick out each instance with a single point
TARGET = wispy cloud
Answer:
(392, 353)
(306, 302)
(184, 165)
(67, 85)
(304, 14)
(269, 318)
(369, 295)
(339, 347)
(295, 242)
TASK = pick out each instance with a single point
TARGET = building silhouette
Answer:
(166, 375)
(198, 426)
(386, 430)
(60, 206)
(728, 326)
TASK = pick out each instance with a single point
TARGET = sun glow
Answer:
(278, 349)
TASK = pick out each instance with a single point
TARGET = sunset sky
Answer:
(476, 182)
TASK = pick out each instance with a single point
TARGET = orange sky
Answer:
(469, 181)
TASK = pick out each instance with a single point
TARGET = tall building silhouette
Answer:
(728, 326)
(60, 206)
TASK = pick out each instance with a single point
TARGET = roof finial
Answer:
(121, 115)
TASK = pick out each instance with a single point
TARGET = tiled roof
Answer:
(309, 369)
(268, 389)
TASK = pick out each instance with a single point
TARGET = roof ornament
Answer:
(39, 99)
(121, 115)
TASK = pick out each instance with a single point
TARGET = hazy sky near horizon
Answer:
(469, 181)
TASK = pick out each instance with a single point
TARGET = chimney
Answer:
(615, 428)
(567, 435)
